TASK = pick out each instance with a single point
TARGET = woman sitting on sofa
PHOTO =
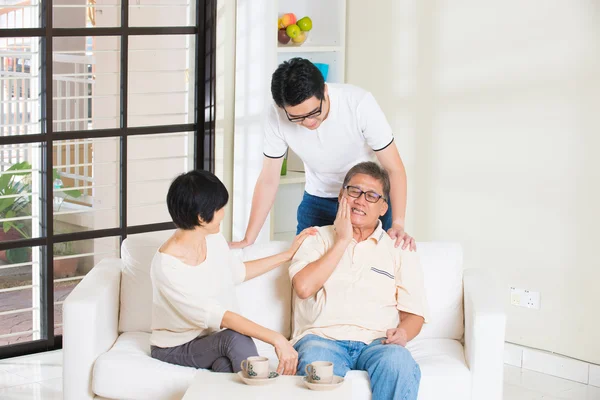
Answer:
(194, 319)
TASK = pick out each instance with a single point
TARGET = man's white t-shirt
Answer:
(354, 129)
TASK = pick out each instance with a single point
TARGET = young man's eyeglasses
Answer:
(370, 196)
(312, 114)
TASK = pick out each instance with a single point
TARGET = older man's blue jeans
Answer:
(393, 373)
(321, 211)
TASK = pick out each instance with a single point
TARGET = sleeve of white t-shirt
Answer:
(201, 311)
(373, 124)
(274, 145)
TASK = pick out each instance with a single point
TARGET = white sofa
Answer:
(107, 323)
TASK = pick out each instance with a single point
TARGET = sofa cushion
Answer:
(127, 371)
(136, 286)
(442, 272)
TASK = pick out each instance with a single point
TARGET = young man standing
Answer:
(331, 127)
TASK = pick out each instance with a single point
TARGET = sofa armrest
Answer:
(485, 323)
(90, 326)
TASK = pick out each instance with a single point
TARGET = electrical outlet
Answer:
(524, 298)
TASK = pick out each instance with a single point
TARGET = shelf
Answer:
(308, 49)
(292, 177)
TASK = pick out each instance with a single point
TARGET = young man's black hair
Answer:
(296, 81)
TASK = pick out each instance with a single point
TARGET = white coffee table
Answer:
(211, 385)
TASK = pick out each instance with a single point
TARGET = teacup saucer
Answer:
(335, 383)
(258, 381)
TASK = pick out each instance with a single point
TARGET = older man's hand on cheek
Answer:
(397, 233)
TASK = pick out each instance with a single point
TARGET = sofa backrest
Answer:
(266, 300)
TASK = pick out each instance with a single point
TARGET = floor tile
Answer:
(514, 392)
(36, 373)
(583, 392)
(56, 384)
(546, 384)
(32, 391)
(8, 379)
(35, 367)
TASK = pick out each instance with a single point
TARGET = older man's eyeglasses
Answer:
(370, 196)
(315, 113)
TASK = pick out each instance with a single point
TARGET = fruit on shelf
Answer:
(293, 31)
(282, 37)
(305, 24)
(300, 38)
(288, 19)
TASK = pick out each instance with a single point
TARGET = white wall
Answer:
(495, 110)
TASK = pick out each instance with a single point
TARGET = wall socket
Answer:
(524, 298)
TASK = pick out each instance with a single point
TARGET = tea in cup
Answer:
(256, 367)
(319, 372)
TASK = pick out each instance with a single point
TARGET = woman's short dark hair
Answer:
(296, 81)
(374, 171)
(195, 194)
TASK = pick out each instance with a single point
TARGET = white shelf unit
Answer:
(308, 49)
(326, 43)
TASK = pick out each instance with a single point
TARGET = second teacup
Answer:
(319, 372)
(256, 367)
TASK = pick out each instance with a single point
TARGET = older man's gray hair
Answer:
(373, 170)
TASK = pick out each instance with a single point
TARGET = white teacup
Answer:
(319, 372)
(256, 367)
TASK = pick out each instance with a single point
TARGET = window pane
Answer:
(161, 76)
(86, 13)
(86, 184)
(20, 295)
(19, 14)
(20, 183)
(86, 83)
(162, 13)
(19, 86)
(72, 261)
(152, 163)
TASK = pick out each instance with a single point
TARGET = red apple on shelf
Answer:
(288, 19)
(282, 37)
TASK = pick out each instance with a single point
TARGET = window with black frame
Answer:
(101, 106)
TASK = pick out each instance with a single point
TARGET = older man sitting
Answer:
(359, 300)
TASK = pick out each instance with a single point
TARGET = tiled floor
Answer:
(39, 377)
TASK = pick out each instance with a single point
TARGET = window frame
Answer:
(203, 128)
